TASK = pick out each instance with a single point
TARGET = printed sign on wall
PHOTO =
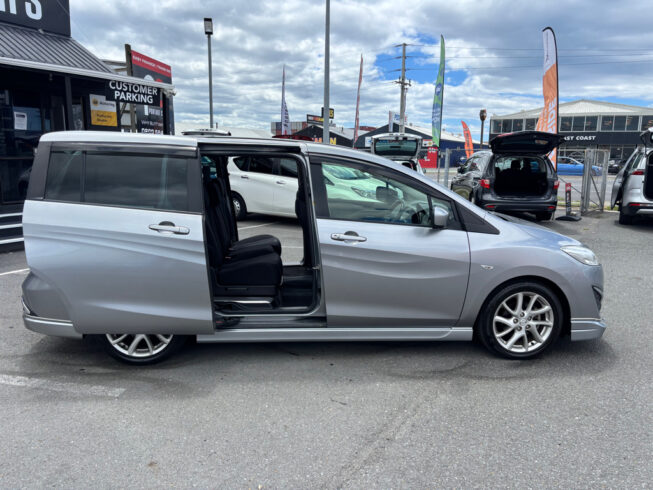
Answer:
(103, 111)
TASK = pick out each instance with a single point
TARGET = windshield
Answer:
(404, 148)
(345, 173)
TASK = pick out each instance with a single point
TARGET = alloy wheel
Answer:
(523, 322)
(139, 345)
(236, 204)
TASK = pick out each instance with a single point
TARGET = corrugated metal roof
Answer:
(583, 107)
(20, 43)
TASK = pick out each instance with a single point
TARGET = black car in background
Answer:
(516, 176)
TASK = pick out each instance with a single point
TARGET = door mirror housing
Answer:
(440, 217)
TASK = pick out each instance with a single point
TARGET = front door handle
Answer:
(244, 177)
(281, 181)
(166, 227)
(350, 236)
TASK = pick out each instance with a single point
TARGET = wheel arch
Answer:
(566, 323)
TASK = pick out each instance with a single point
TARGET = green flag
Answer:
(436, 117)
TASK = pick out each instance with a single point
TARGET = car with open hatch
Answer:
(131, 241)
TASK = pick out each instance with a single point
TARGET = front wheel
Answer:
(141, 349)
(240, 210)
(521, 320)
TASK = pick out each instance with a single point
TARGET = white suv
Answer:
(263, 184)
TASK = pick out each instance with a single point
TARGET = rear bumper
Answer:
(587, 328)
(528, 206)
(644, 210)
(49, 326)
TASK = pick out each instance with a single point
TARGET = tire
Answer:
(505, 337)
(544, 216)
(240, 209)
(624, 219)
(162, 347)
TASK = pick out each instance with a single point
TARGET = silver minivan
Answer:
(131, 240)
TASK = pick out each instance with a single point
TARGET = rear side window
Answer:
(262, 165)
(63, 182)
(288, 167)
(136, 180)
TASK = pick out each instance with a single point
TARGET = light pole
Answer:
(208, 30)
(482, 115)
(327, 113)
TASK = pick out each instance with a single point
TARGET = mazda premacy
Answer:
(131, 240)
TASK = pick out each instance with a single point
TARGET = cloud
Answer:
(254, 39)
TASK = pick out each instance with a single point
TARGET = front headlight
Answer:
(364, 193)
(581, 254)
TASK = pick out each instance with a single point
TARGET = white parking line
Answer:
(256, 226)
(75, 388)
(14, 272)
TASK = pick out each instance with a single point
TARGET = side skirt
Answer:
(335, 334)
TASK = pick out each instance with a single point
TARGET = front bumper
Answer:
(587, 328)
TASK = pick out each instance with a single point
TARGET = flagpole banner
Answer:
(358, 101)
(285, 119)
(548, 121)
(391, 120)
(436, 117)
(469, 145)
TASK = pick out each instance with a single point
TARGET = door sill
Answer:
(335, 334)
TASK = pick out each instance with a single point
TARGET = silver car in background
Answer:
(131, 240)
(633, 186)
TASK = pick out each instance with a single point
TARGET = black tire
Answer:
(624, 219)
(544, 216)
(240, 209)
(141, 359)
(493, 306)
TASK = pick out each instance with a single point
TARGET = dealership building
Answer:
(50, 82)
(586, 124)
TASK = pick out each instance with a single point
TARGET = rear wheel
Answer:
(624, 219)
(521, 320)
(240, 210)
(544, 216)
(141, 349)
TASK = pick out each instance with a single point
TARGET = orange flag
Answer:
(469, 145)
(548, 121)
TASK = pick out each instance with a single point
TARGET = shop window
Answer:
(619, 123)
(496, 126)
(530, 125)
(632, 123)
(136, 180)
(518, 125)
(579, 123)
(647, 122)
(506, 127)
(615, 152)
(565, 124)
(591, 123)
(607, 123)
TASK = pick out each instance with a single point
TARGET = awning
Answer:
(29, 48)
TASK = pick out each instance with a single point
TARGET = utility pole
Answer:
(325, 116)
(208, 30)
(404, 84)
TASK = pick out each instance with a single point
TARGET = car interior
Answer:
(520, 176)
(249, 274)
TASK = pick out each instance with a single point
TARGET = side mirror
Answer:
(461, 170)
(440, 217)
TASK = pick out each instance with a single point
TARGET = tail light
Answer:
(485, 183)
(638, 172)
(635, 204)
(551, 208)
(556, 184)
(490, 206)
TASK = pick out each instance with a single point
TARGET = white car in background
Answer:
(263, 184)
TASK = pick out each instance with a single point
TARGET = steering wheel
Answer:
(397, 209)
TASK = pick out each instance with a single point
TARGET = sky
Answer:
(493, 55)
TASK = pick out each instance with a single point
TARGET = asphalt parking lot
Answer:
(339, 415)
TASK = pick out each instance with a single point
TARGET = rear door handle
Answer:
(166, 227)
(281, 182)
(347, 237)
(244, 177)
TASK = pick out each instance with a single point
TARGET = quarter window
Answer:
(64, 176)
(136, 180)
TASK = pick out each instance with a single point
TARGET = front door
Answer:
(124, 250)
(285, 187)
(384, 264)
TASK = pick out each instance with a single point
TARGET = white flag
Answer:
(285, 118)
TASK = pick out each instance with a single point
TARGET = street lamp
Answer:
(482, 115)
(208, 30)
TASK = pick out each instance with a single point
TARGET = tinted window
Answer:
(591, 123)
(64, 176)
(241, 163)
(647, 122)
(579, 123)
(261, 165)
(607, 122)
(356, 194)
(518, 125)
(136, 180)
(530, 124)
(288, 167)
(619, 123)
(496, 125)
(632, 123)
